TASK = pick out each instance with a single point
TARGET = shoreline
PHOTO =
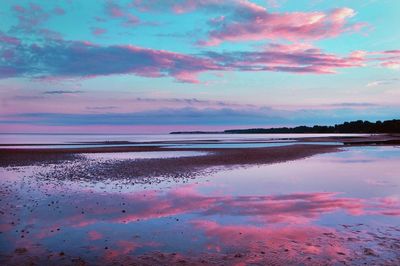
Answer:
(179, 166)
(157, 167)
(70, 162)
(30, 156)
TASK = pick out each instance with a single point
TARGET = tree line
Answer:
(359, 126)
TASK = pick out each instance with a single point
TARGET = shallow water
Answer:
(77, 138)
(78, 146)
(327, 206)
(222, 144)
(248, 145)
(141, 155)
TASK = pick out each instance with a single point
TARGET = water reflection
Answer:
(141, 155)
(316, 209)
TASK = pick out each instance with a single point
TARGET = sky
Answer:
(156, 66)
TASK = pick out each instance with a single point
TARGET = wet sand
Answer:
(350, 244)
(377, 139)
(79, 167)
(347, 247)
(186, 165)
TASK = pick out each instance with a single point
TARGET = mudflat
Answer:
(293, 204)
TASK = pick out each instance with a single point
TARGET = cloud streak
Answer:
(77, 59)
(62, 92)
(287, 58)
(377, 83)
(227, 117)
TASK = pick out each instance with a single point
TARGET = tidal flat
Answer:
(321, 200)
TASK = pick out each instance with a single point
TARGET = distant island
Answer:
(359, 126)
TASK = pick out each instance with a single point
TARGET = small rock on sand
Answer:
(20, 250)
(369, 252)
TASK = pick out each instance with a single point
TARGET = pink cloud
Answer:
(114, 10)
(388, 59)
(9, 39)
(297, 58)
(295, 26)
(59, 11)
(58, 59)
(391, 64)
(98, 31)
(185, 6)
(32, 17)
(19, 9)
(244, 20)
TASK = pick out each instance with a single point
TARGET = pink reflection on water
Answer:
(291, 209)
(255, 239)
(300, 212)
(94, 235)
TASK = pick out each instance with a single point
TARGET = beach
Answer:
(304, 200)
(182, 132)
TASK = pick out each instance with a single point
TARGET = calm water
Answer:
(288, 207)
(77, 138)
(235, 145)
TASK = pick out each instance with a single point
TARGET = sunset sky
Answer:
(161, 65)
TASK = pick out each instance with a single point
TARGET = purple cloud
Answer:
(61, 59)
(82, 59)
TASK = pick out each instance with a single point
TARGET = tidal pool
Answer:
(331, 208)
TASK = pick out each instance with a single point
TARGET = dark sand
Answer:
(79, 167)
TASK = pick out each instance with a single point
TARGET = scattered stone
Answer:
(20, 250)
(369, 252)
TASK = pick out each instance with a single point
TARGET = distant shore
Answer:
(353, 127)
